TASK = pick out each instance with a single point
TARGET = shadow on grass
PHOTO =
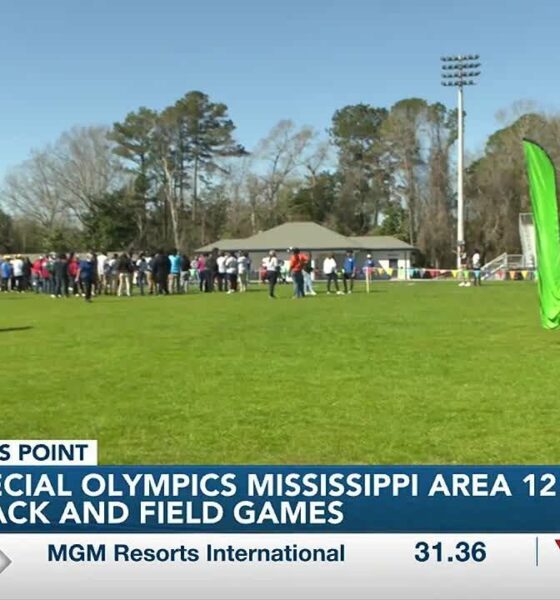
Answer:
(8, 329)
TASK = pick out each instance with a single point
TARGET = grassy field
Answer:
(412, 373)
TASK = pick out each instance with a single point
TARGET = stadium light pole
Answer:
(460, 71)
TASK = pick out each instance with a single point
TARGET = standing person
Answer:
(60, 277)
(141, 269)
(36, 281)
(212, 267)
(368, 269)
(243, 267)
(464, 261)
(284, 271)
(185, 273)
(160, 272)
(73, 266)
(6, 273)
(123, 270)
(271, 264)
(231, 272)
(202, 272)
(369, 264)
(27, 266)
(307, 279)
(17, 273)
(101, 277)
(175, 271)
(349, 271)
(330, 270)
(476, 261)
(149, 277)
(45, 281)
(113, 277)
(87, 275)
(222, 272)
(194, 271)
(262, 270)
(297, 263)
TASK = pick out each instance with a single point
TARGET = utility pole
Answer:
(460, 71)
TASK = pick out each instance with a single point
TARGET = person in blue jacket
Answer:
(5, 273)
(348, 272)
(87, 274)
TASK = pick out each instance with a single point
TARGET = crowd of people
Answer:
(162, 273)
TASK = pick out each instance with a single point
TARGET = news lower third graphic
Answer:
(70, 528)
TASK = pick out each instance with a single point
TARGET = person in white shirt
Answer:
(17, 271)
(476, 265)
(308, 277)
(271, 264)
(231, 272)
(101, 277)
(222, 272)
(243, 264)
(330, 270)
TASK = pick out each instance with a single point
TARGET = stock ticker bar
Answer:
(276, 532)
(257, 499)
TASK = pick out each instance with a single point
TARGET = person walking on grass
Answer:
(330, 270)
(297, 263)
(349, 271)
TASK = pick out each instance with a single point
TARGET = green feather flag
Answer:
(542, 185)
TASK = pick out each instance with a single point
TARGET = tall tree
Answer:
(436, 219)
(402, 135)
(282, 156)
(205, 134)
(85, 168)
(32, 190)
(6, 232)
(496, 182)
(364, 193)
(134, 139)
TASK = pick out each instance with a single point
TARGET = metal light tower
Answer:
(459, 71)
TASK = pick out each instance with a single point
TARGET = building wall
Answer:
(393, 259)
(386, 259)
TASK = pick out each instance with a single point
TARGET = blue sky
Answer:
(65, 63)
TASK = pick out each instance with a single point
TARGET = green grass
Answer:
(412, 373)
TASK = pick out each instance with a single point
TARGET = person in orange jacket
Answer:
(297, 264)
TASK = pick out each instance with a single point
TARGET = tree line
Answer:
(179, 178)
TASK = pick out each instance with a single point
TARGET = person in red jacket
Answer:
(73, 268)
(36, 279)
(297, 263)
